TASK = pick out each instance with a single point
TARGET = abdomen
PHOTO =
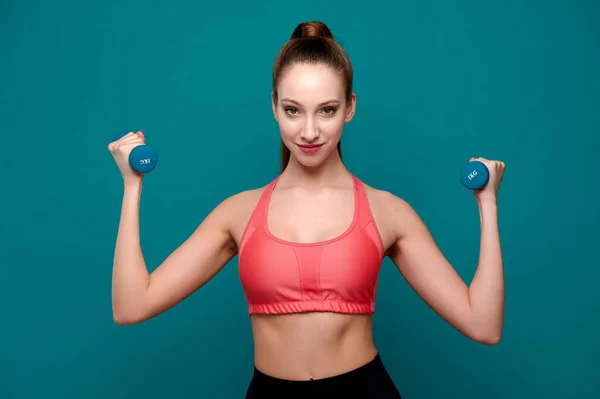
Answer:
(312, 345)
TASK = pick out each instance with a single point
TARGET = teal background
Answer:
(437, 83)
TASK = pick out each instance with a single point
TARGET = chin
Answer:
(311, 161)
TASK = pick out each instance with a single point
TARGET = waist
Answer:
(369, 380)
(315, 345)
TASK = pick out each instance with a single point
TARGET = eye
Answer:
(291, 110)
(329, 111)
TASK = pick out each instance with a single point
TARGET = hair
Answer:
(312, 42)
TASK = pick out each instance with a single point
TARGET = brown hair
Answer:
(312, 42)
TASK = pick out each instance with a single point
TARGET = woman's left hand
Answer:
(490, 191)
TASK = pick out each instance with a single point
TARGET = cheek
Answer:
(332, 127)
(288, 129)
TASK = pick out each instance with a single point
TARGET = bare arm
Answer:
(138, 296)
(477, 310)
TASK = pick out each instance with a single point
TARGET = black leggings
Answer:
(368, 381)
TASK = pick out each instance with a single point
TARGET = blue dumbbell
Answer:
(474, 175)
(142, 158)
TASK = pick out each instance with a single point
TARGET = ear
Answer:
(350, 109)
(273, 105)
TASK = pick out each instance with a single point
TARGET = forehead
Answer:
(309, 83)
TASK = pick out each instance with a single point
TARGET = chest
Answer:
(309, 217)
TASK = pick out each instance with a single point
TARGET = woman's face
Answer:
(311, 111)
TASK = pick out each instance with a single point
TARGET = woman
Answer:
(310, 245)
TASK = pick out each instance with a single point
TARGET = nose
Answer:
(310, 132)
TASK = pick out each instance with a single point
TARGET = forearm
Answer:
(130, 276)
(486, 291)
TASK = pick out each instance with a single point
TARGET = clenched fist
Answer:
(496, 169)
(120, 150)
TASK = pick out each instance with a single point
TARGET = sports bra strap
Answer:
(258, 215)
(364, 210)
(365, 216)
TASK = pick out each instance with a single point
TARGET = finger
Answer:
(134, 138)
(125, 137)
(125, 148)
(112, 145)
(130, 144)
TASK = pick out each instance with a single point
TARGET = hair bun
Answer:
(312, 29)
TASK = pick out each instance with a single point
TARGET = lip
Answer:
(309, 148)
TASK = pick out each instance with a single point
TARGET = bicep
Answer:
(427, 270)
(199, 258)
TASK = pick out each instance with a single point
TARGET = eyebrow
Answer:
(321, 104)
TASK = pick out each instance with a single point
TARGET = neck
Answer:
(329, 172)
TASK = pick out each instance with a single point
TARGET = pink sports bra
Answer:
(336, 275)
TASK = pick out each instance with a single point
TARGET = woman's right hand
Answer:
(120, 150)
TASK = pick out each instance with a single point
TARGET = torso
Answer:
(313, 345)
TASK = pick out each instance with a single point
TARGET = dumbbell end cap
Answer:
(143, 159)
(474, 175)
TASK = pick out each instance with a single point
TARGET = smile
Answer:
(309, 148)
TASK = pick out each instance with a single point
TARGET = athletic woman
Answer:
(310, 245)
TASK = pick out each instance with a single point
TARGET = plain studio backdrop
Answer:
(437, 82)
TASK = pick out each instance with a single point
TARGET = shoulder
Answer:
(394, 216)
(244, 198)
(386, 200)
(243, 201)
(236, 210)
